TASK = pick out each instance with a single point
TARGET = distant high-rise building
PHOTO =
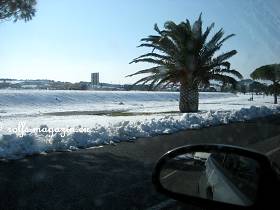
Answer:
(95, 78)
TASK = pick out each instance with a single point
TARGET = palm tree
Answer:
(271, 73)
(183, 56)
(17, 10)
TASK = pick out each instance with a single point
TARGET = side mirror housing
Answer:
(217, 177)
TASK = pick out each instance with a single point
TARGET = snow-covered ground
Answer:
(35, 121)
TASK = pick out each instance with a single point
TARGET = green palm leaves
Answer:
(17, 10)
(181, 54)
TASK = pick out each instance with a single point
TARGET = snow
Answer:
(40, 121)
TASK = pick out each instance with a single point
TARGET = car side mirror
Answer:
(218, 176)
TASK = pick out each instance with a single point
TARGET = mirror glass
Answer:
(223, 177)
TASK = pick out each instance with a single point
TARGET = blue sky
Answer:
(69, 39)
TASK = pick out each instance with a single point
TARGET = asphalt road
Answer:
(116, 177)
(183, 181)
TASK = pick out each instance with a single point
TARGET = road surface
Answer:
(116, 177)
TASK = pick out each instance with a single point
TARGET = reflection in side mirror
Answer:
(223, 177)
(216, 176)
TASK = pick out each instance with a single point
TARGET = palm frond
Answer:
(225, 56)
(156, 55)
(152, 70)
(226, 38)
(215, 64)
(164, 80)
(145, 80)
(183, 52)
(197, 28)
(151, 38)
(215, 39)
(156, 28)
(179, 34)
(223, 78)
(147, 45)
(231, 71)
(149, 60)
(206, 33)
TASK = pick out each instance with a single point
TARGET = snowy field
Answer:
(36, 121)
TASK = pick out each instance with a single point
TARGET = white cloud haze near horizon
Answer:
(67, 39)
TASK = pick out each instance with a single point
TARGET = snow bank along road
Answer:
(115, 177)
(38, 121)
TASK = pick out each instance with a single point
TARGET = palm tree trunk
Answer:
(275, 98)
(275, 92)
(188, 98)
